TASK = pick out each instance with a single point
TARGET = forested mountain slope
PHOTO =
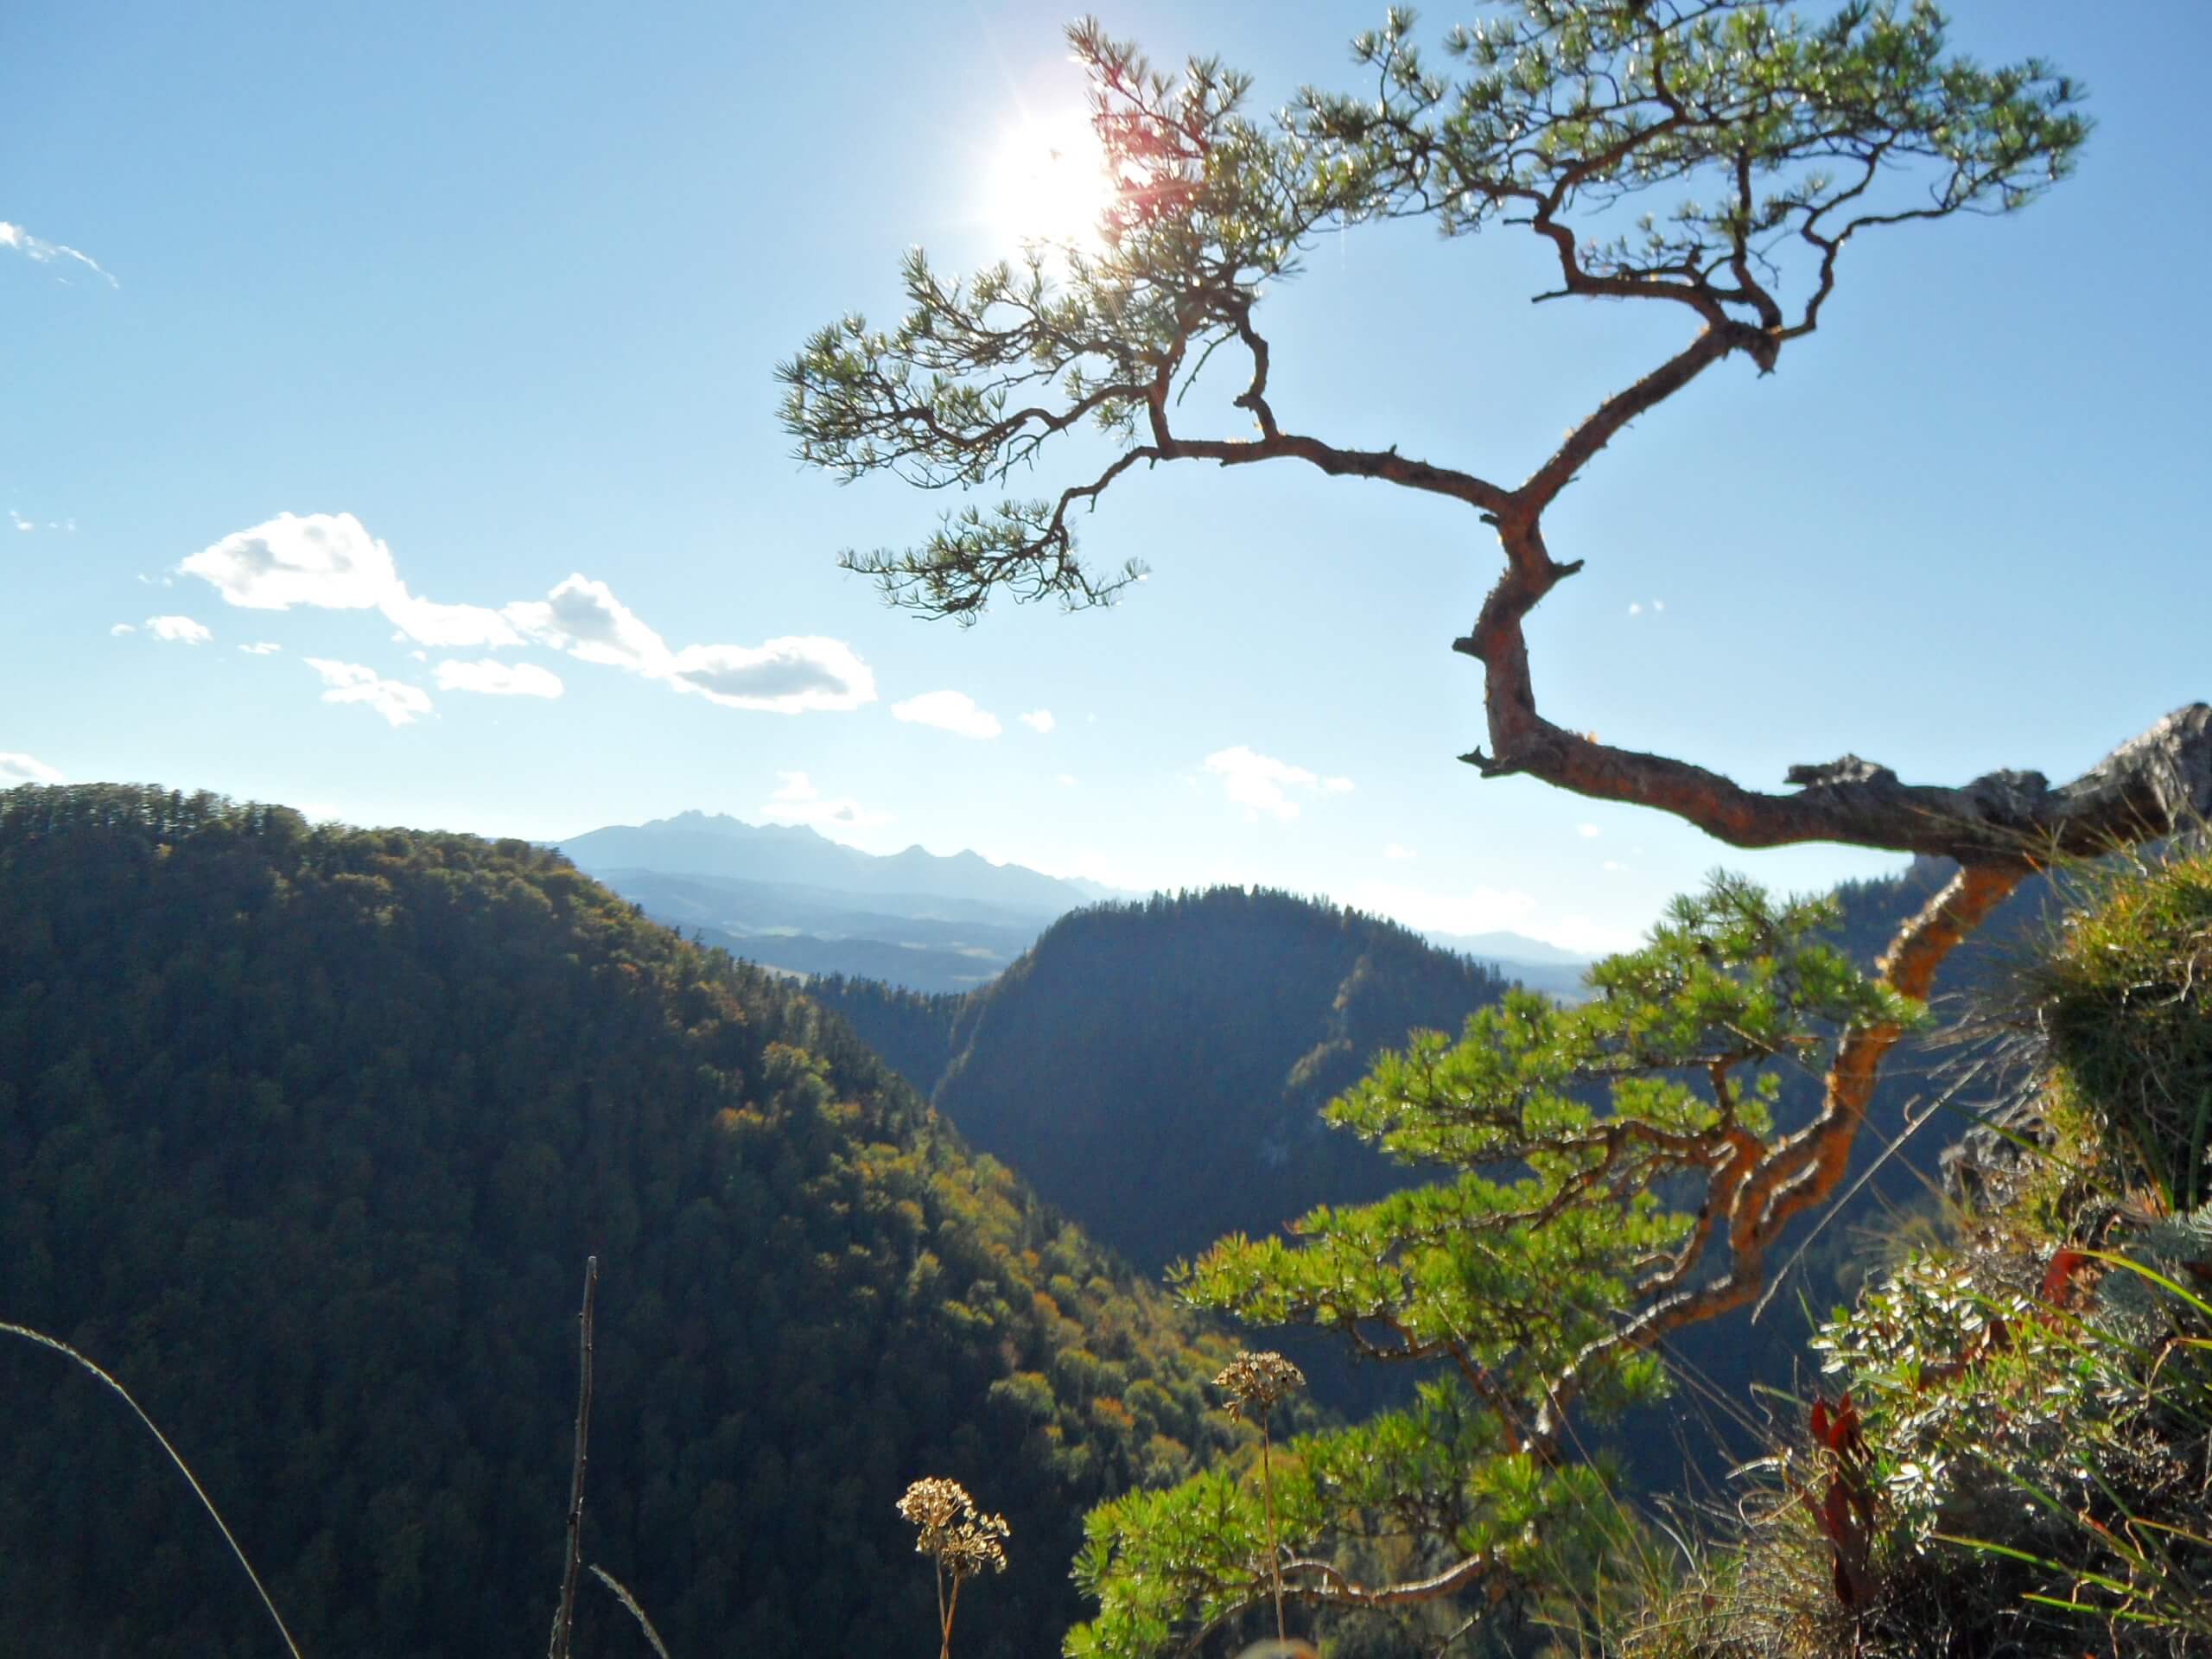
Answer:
(1156, 1070)
(306, 1133)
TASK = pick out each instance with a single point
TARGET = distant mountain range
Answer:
(792, 899)
(696, 843)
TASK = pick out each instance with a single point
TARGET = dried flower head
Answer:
(1255, 1382)
(933, 1505)
(962, 1538)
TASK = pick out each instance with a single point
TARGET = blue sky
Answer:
(495, 292)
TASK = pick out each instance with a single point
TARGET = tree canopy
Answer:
(1719, 158)
(305, 1132)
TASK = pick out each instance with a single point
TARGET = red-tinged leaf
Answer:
(1821, 1422)
(1835, 1514)
(2060, 1275)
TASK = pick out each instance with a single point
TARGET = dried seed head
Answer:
(1255, 1382)
(934, 1504)
(964, 1541)
(977, 1542)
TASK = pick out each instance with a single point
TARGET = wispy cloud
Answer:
(122, 628)
(262, 648)
(797, 800)
(1261, 783)
(583, 617)
(329, 562)
(1039, 721)
(23, 769)
(949, 711)
(179, 630)
(796, 675)
(1588, 831)
(493, 679)
(397, 701)
(39, 250)
(1395, 851)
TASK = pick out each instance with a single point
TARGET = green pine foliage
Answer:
(1575, 1143)
(2015, 1419)
(304, 1134)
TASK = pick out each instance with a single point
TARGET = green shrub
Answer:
(2124, 1002)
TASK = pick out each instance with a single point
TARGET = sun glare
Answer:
(1048, 183)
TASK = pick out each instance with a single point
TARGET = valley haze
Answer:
(792, 899)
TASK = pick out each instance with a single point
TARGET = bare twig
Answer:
(564, 1619)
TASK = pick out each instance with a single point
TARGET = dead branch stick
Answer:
(564, 1619)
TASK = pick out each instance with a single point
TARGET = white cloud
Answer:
(446, 626)
(1038, 720)
(262, 648)
(1586, 830)
(20, 522)
(1658, 604)
(1065, 780)
(329, 562)
(494, 679)
(1261, 782)
(326, 561)
(949, 711)
(1614, 864)
(583, 617)
(42, 251)
(22, 769)
(797, 800)
(1394, 850)
(395, 699)
(122, 628)
(799, 674)
(179, 630)
(1635, 608)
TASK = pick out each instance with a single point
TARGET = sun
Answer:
(1048, 181)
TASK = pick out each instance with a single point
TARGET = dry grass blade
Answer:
(623, 1595)
(62, 1348)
